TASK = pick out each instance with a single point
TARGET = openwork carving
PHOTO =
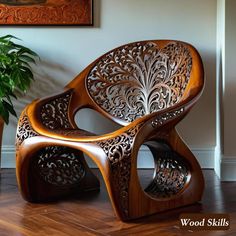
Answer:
(24, 130)
(54, 113)
(171, 174)
(140, 78)
(118, 151)
(60, 166)
(162, 119)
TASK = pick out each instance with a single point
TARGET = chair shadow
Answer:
(45, 83)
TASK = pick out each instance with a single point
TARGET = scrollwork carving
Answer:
(54, 113)
(171, 175)
(162, 119)
(24, 130)
(60, 166)
(140, 78)
(118, 151)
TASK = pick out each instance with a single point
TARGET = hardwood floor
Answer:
(91, 213)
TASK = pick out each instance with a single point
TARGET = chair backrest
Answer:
(141, 78)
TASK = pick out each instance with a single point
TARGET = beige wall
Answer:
(229, 90)
(220, 69)
(65, 51)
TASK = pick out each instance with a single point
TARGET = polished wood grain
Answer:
(92, 213)
(148, 87)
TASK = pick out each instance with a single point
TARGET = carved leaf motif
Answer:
(118, 151)
(60, 166)
(140, 78)
(162, 119)
(171, 175)
(54, 113)
(24, 130)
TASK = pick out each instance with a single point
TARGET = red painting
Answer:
(46, 12)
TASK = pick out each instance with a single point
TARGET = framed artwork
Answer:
(46, 12)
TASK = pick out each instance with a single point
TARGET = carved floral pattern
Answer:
(52, 12)
(24, 130)
(118, 151)
(140, 78)
(54, 113)
(60, 166)
(170, 177)
(162, 119)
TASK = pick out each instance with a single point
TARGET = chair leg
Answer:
(197, 180)
(119, 187)
(178, 181)
(54, 172)
(171, 172)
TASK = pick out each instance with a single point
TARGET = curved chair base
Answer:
(56, 172)
(177, 182)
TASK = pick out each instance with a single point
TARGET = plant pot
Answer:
(1, 132)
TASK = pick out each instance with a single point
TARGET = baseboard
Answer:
(205, 156)
(218, 157)
(228, 168)
(8, 157)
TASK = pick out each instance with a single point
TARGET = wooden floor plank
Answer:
(91, 213)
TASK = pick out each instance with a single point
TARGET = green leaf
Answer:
(9, 37)
(9, 107)
(27, 72)
(4, 113)
(11, 94)
(25, 50)
(25, 58)
(18, 78)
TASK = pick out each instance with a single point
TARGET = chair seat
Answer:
(73, 133)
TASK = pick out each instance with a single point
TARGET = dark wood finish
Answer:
(46, 12)
(147, 87)
(92, 214)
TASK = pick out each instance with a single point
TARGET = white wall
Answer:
(230, 79)
(220, 77)
(65, 51)
(228, 128)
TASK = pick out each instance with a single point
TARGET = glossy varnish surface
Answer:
(148, 87)
(92, 214)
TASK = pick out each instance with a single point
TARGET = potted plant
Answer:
(15, 75)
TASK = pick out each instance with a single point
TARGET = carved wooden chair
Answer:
(147, 87)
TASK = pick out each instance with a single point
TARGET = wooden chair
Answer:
(147, 87)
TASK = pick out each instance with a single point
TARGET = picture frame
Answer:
(46, 12)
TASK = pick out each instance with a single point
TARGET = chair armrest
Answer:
(43, 125)
(52, 112)
(154, 120)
